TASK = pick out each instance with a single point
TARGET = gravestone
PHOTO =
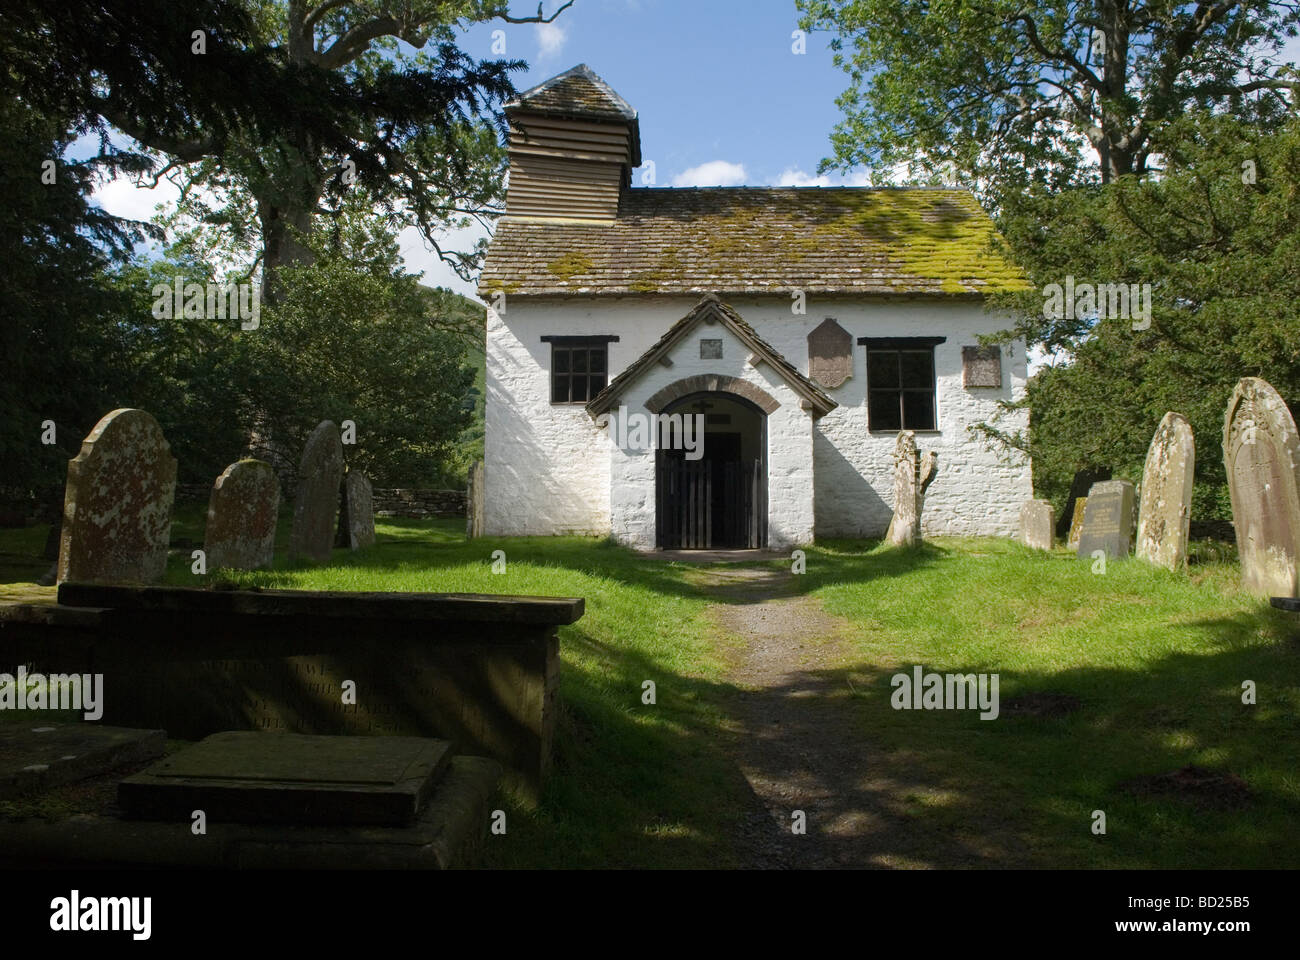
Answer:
(474, 502)
(911, 481)
(1080, 484)
(830, 354)
(358, 510)
(1108, 519)
(1165, 510)
(1076, 523)
(1261, 451)
(242, 513)
(117, 509)
(1036, 524)
(315, 507)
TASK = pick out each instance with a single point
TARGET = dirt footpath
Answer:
(800, 735)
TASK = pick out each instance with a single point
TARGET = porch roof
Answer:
(816, 400)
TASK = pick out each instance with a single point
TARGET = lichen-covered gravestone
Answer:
(1076, 523)
(117, 509)
(910, 485)
(1165, 510)
(1036, 524)
(242, 513)
(1261, 452)
(316, 505)
(359, 509)
(1108, 520)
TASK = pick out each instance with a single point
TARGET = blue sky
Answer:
(712, 82)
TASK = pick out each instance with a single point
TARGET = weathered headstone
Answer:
(1076, 523)
(242, 513)
(1165, 509)
(1036, 524)
(1108, 519)
(316, 505)
(910, 484)
(117, 509)
(474, 502)
(359, 510)
(1261, 451)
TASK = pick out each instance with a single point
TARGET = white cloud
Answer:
(715, 173)
(795, 177)
(550, 40)
(419, 258)
(122, 198)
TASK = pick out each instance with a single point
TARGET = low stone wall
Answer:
(418, 504)
(415, 503)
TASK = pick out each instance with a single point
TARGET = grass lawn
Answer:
(1155, 660)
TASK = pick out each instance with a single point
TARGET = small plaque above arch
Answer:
(830, 354)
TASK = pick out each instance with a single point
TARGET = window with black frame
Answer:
(901, 383)
(579, 367)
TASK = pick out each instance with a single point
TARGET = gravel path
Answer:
(800, 737)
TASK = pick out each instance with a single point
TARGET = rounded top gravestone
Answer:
(242, 514)
(315, 508)
(1261, 452)
(117, 509)
(1165, 507)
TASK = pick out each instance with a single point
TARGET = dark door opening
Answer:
(718, 501)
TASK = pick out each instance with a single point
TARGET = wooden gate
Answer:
(702, 504)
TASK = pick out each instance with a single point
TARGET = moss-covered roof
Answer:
(750, 240)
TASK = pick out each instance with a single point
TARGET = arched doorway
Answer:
(715, 496)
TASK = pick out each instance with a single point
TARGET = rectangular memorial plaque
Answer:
(245, 777)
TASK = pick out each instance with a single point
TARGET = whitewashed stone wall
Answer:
(550, 470)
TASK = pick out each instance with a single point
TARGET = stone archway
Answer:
(712, 383)
(719, 499)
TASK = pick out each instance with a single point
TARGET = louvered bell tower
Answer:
(574, 143)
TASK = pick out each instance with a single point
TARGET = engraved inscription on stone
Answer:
(1261, 452)
(710, 349)
(1108, 519)
(981, 366)
(830, 354)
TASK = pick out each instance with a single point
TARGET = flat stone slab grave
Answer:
(244, 777)
(36, 756)
(448, 834)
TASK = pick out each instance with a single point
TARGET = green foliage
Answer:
(1011, 93)
(352, 338)
(1221, 256)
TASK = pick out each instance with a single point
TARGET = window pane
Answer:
(882, 368)
(559, 388)
(580, 361)
(561, 355)
(918, 369)
(918, 410)
(579, 394)
(596, 360)
(597, 383)
(882, 410)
